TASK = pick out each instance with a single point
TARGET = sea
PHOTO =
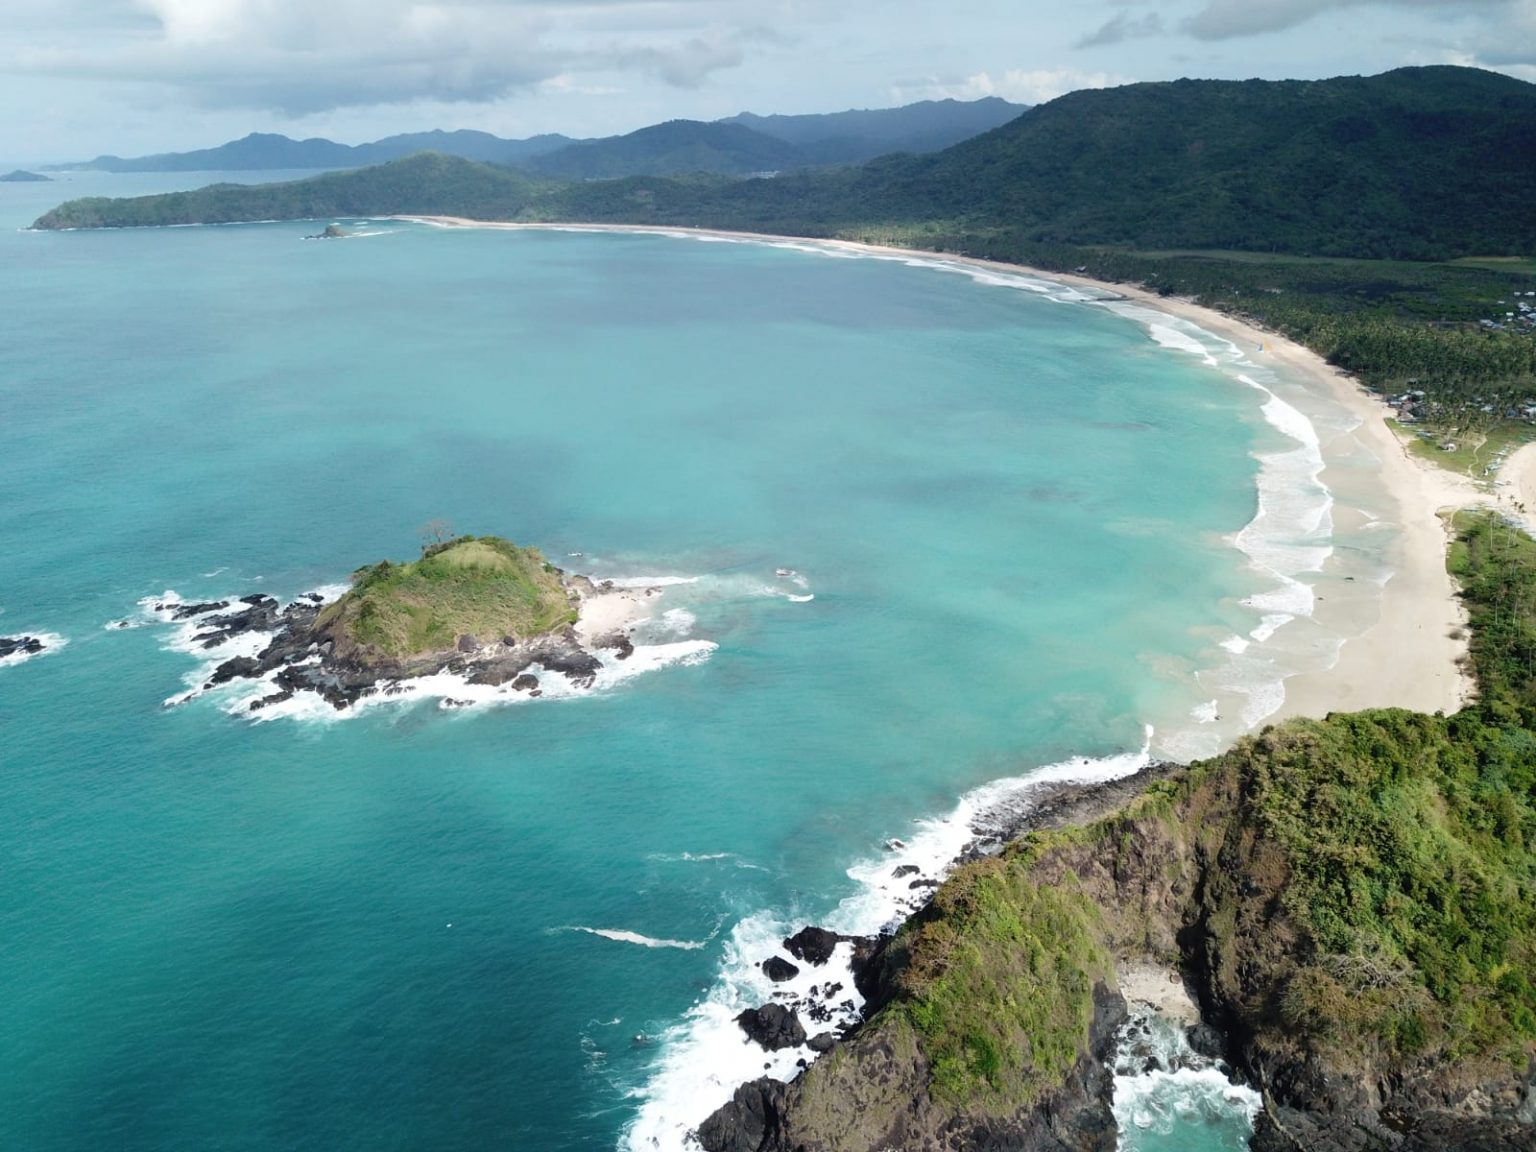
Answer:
(920, 535)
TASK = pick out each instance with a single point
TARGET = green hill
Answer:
(426, 184)
(485, 587)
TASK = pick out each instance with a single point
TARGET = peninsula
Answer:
(481, 608)
(23, 177)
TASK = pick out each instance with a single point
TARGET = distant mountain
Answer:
(469, 144)
(20, 177)
(261, 151)
(1420, 163)
(722, 147)
(928, 126)
(673, 147)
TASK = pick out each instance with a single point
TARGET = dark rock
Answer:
(904, 870)
(468, 644)
(751, 1122)
(822, 1042)
(526, 683)
(20, 645)
(239, 667)
(919, 885)
(187, 611)
(267, 701)
(497, 673)
(1207, 1041)
(576, 664)
(772, 1026)
(813, 945)
(778, 969)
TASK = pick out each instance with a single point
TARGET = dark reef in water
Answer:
(20, 646)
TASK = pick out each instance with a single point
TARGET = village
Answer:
(1521, 317)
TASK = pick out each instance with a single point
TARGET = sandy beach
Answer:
(1517, 486)
(1402, 650)
(1409, 657)
(605, 611)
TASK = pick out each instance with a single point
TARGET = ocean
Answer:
(922, 534)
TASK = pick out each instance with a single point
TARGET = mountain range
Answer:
(1418, 163)
(741, 145)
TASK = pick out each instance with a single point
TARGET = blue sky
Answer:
(81, 77)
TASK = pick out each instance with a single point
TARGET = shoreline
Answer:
(1405, 649)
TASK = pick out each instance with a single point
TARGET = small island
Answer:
(480, 608)
(21, 177)
(331, 232)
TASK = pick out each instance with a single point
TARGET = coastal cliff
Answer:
(1351, 902)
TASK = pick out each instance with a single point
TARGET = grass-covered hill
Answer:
(482, 587)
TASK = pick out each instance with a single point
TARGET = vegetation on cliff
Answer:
(483, 587)
(998, 983)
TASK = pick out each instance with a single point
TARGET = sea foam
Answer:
(1182, 1089)
(51, 642)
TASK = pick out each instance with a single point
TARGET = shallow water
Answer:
(526, 926)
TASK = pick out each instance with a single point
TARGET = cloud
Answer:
(1123, 27)
(1016, 84)
(1506, 45)
(1226, 19)
(299, 57)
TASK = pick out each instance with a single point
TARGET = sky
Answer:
(84, 77)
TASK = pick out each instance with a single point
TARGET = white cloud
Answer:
(300, 57)
(1225, 19)
(1018, 85)
(1121, 28)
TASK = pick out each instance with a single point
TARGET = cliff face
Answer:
(1338, 899)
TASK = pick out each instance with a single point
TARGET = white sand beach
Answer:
(605, 611)
(1404, 650)
(1517, 486)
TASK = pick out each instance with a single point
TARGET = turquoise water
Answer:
(1013, 512)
